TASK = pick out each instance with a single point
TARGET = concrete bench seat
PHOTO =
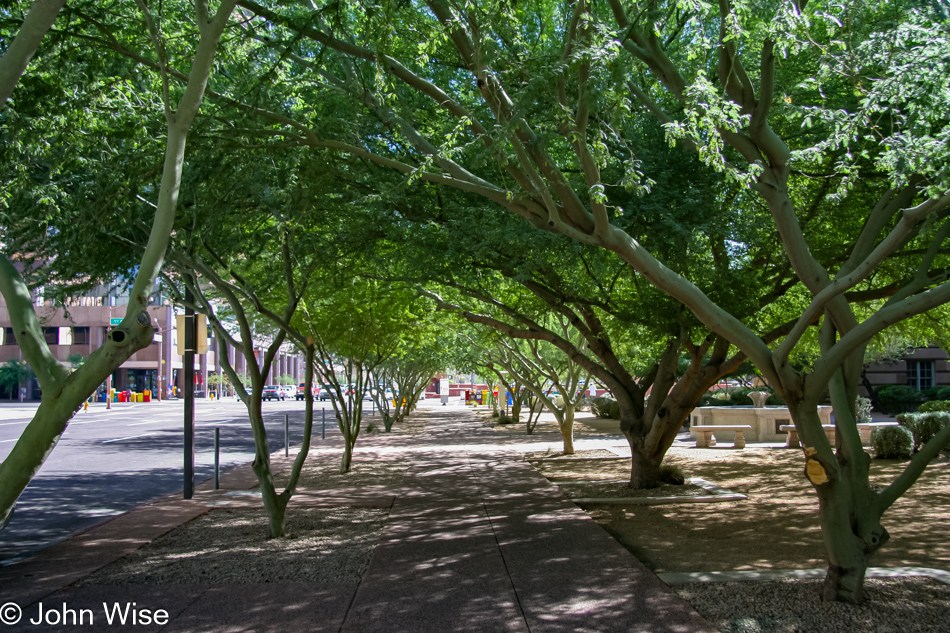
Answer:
(866, 428)
(793, 442)
(706, 439)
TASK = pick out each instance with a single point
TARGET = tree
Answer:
(14, 373)
(356, 327)
(551, 376)
(408, 372)
(16, 57)
(63, 392)
(544, 111)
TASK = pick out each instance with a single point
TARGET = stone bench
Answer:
(793, 442)
(706, 439)
(866, 428)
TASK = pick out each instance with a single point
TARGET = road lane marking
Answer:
(13, 440)
(130, 437)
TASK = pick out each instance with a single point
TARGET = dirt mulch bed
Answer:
(776, 527)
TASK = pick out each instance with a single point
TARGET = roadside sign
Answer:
(115, 321)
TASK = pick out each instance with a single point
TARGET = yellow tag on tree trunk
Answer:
(816, 472)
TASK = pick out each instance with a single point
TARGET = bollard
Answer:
(323, 436)
(286, 435)
(217, 459)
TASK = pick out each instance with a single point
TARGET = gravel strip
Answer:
(612, 490)
(892, 605)
(329, 546)
(323, 473)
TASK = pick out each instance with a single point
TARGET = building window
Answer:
(920, 374)
(80, 336)
(9, 338)
(51, 335)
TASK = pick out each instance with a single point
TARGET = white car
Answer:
(289, 391)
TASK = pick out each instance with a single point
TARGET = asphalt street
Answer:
(109, 461)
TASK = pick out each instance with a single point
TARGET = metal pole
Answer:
(158, 374)
(189, 362)
(324, 434)
(286, 435)
(217, 460)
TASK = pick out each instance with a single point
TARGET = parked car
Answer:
(324, 394)
(289, 390)
(302, 391)
(273, 392)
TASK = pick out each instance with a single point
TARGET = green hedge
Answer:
(894, 399)
(935, 405)
(936, 393)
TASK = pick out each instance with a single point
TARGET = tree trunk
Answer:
(276, 507)
(644, 466)
(848, 510)
(516, 406)
(347, 459)
(566, 425)
(852, 534)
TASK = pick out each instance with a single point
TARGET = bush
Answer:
(892, 442)
(606, 408)
(896, 399)
(936, 393)
(935, 405)
(923, 426)
(505, 419)
(736, 397)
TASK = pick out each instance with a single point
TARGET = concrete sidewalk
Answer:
(476, 540)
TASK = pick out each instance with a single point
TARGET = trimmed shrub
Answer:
(936, 393)
(505, 419)
(896, 399)
(892, 442)
(935, 405)
(606, 408)
(923, 426)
